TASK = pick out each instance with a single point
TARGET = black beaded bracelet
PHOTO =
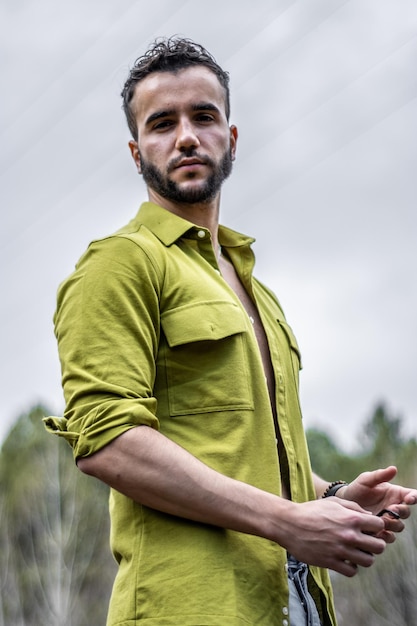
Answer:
(333, 488)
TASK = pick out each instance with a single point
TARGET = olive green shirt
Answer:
(150, 333)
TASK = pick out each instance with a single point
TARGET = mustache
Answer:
(189, 155)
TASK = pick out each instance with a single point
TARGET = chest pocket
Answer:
(205, 358)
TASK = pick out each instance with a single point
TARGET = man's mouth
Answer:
(189, 162)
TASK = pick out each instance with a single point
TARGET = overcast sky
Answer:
(324, 96)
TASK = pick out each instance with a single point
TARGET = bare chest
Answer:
(230, 276)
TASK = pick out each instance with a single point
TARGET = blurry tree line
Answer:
(55, 563)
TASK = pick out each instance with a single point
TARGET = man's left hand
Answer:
(374, 492)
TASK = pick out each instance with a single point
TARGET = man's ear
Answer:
(134, 150)
(233, 141)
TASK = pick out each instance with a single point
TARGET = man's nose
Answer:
(186, 136)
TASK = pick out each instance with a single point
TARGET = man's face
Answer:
(185, 147)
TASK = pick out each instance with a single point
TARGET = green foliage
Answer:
(327, 460)
(55, 564)
(381, 443)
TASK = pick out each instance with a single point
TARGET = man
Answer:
(180, 376)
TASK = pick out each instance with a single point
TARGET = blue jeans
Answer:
(303, 611)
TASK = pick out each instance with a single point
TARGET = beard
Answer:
(170, 190)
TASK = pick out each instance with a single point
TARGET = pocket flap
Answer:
(202, 321)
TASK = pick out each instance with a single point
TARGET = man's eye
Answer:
(163, 125)
(205, 117)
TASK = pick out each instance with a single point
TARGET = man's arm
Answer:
(154, 471)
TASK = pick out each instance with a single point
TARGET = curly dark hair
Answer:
(170, 55)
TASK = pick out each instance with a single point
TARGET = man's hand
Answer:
(336, 534)
(374, 492)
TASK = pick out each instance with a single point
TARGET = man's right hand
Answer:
(334, 533)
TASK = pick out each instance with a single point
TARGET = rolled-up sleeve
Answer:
(107, 328)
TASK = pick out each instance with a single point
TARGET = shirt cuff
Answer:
(90, 433)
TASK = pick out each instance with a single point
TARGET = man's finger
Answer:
(372, 479)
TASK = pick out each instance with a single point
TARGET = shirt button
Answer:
(286, 564)
(251, 319)
(285, 622)
(201, 234)
(285, 610)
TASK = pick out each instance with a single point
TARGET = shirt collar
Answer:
(169, 227)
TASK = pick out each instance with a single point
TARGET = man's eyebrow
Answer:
(199, 106)
(158, 115)
(205, 106)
